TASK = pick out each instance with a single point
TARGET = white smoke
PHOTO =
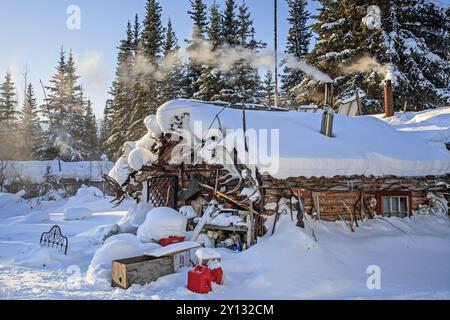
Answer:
(202, 52)
(316, 74)
(367, 63)
(91, 69)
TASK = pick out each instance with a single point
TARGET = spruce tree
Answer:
(31, 133)
(8, 101)
(145, 98)
(240, 83)
(172, 84)
(118, 120)
(403, 47)
(64, 110)
(136, 33)
(152, 35)
(268, 89)
(198, 14)
(90, 137)
(8, 119)
(208, 83)
(214, 29)
(229, 22)
(297, 43)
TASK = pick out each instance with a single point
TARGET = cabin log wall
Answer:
(338, 195)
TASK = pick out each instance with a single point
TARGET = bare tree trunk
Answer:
(3, 165)
(275, 44)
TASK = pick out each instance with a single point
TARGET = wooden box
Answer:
(140, 270)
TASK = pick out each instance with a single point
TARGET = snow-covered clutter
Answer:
(140, 157)
(189, 212)
(117, 247)
(162, 223)
(366, 168)
(77, 213)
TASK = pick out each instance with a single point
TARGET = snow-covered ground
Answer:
(410, 257)
(323, 261)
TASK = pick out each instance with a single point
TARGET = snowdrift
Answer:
(162, 223)
(431, 125)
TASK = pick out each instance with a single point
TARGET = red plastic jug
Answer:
(199, 280)
(217, 275)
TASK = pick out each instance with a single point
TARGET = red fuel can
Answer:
(199, 280)
(217, 275)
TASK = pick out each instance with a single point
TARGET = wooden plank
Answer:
(140, 270)
(228, 228)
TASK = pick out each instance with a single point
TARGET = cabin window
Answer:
(396, 206)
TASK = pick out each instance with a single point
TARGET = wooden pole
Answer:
(276, 49)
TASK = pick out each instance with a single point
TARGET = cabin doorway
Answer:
(162, 191)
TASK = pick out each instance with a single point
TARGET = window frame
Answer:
(394, 194)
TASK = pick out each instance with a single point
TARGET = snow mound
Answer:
(117, 247)
(37, 217)
(207, 254)
(12, 205)
(162, 223)
(431, 125)
(77, 213)
(153, 127)
(140, 157)
(89, 192)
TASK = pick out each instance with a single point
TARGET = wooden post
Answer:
(250, 225)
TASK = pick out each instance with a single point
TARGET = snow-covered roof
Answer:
(431, 125)
(363, 146)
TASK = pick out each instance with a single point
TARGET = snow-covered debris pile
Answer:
(162, 223)
(431, 125)
(121, 246)
(77, 213)
(226, 220)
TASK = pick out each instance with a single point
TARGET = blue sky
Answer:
(33, 31)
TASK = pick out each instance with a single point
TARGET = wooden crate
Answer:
(140, 270)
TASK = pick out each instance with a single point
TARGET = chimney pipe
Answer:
(328, 112)
(388, 99)
(328, 94)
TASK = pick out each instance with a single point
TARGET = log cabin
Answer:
(269, 161)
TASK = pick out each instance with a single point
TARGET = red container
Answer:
(168, 241)
(199, 280)
(217, 275)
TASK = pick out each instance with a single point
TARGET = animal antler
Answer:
(115, 188)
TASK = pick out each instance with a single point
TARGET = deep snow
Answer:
(288, 265)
